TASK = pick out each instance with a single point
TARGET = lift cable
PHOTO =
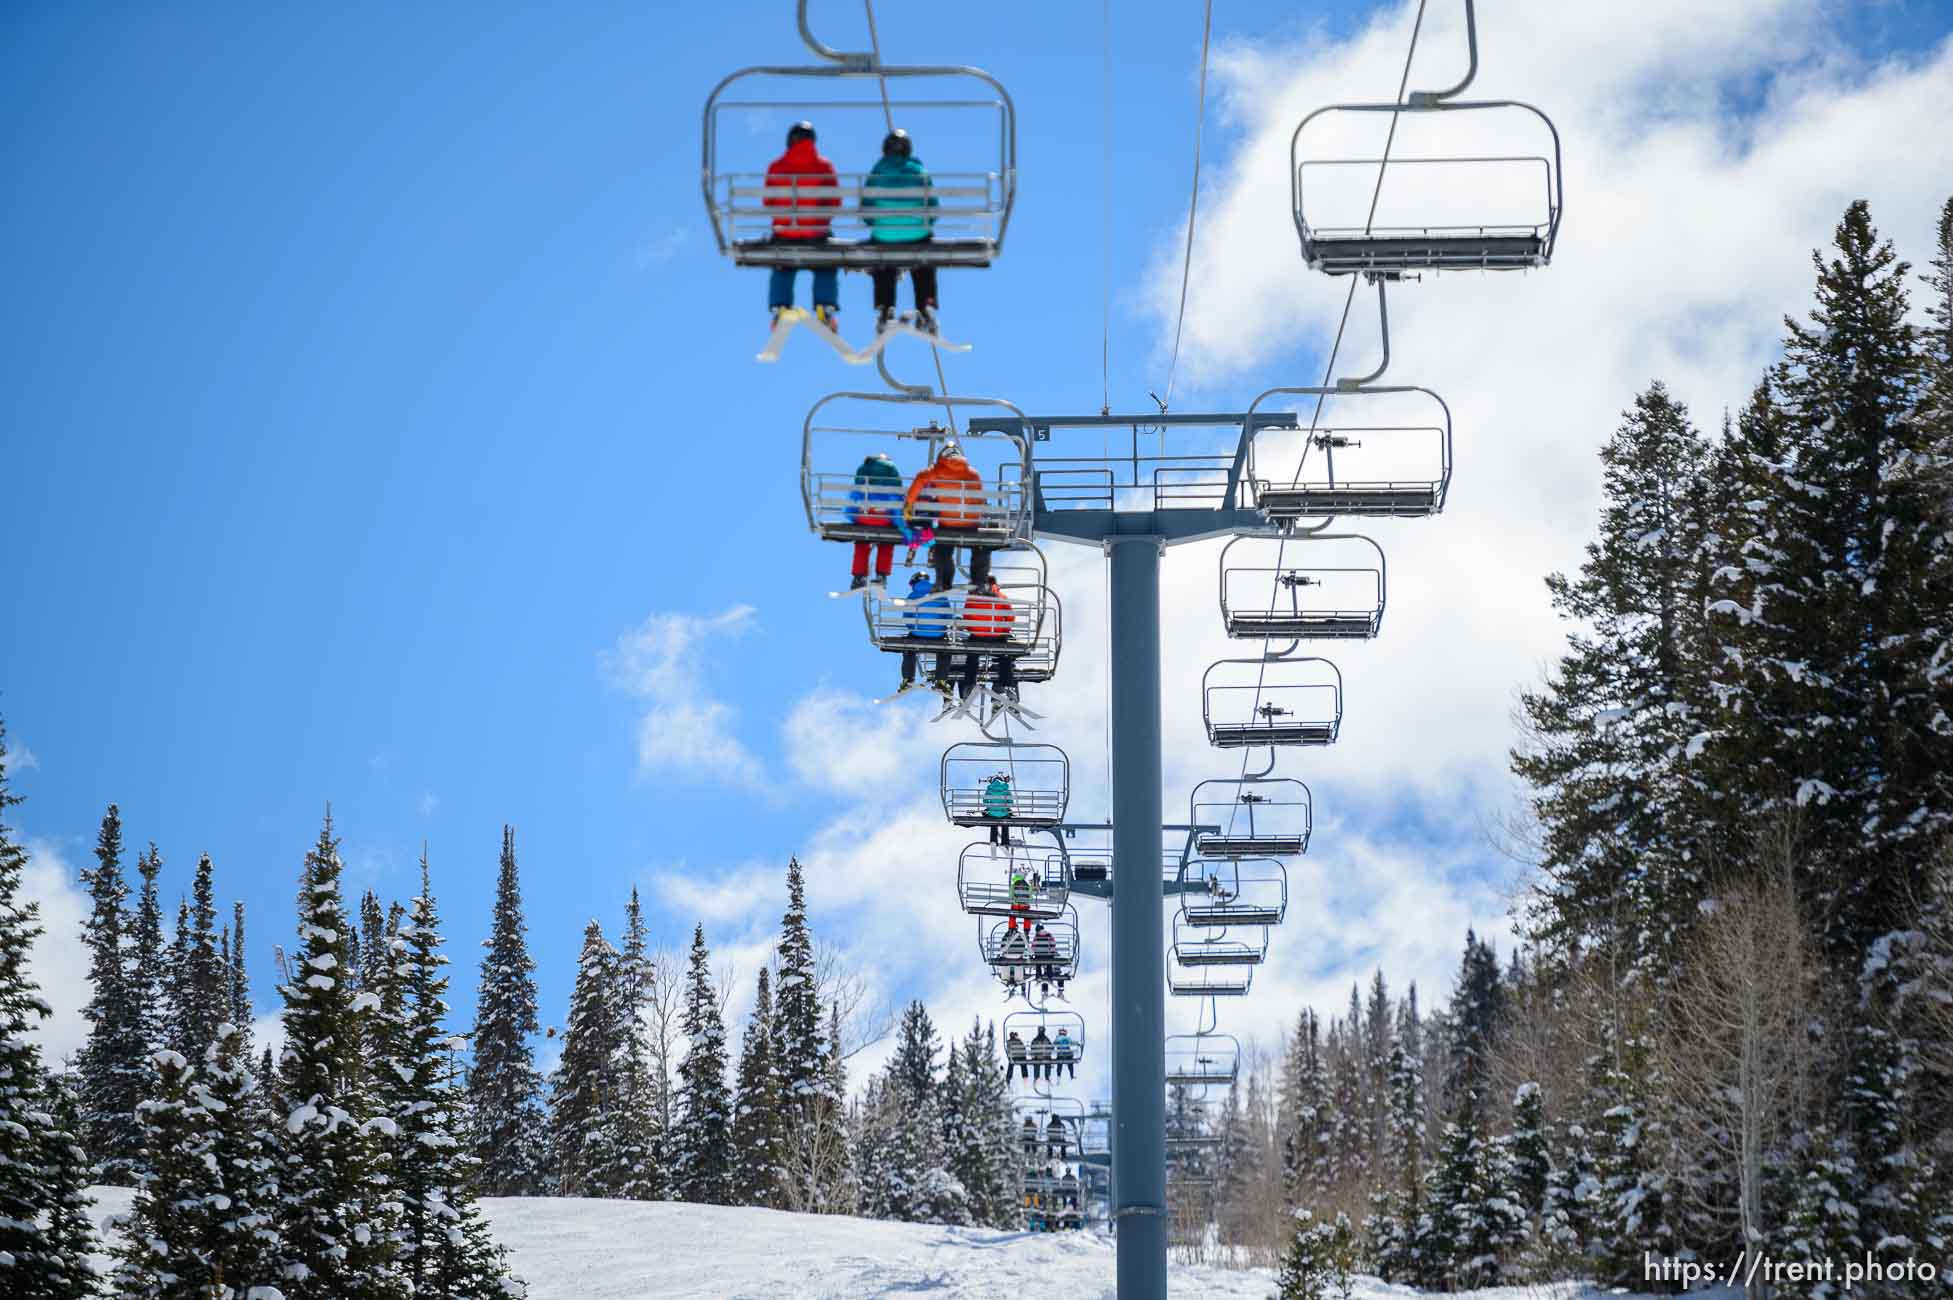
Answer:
(888, 117)
(1329, 370)
(1193, 203)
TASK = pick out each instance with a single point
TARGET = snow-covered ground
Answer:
(627, 1250)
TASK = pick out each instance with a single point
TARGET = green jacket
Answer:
(896, 172)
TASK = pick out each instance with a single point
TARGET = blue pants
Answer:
(779, 287)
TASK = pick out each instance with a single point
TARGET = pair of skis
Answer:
(982, 705)
(784, 323)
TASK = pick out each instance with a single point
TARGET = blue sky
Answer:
(372, 374)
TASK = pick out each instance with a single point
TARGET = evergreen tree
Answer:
(702, 1169)
(920, 1187)
(443, 1243)
(1532, 1166)
(584, 1089)
(374, 951)
(149, 960)
(201, 986)
(1477, 1015)
(797, 1013)
(1308, 1118)
(203, 1224)
(504, 1090)
(1631, 1199)
(1472, 1224)
(337, 1221)
(239, 1001)
(66, 1174)
(38, 1261)
(635, 1138)
(756, 1107)
(112, 1081)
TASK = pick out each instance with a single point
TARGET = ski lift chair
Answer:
(1027, 1024)
(1204, 945)
(1207, 981)
(1240, 892)
(959, 116)
(1200, 1060)
(1036, 784)
(842, 429)
(983, 875)
(1380, 452)
(1262, 816)
(1249, 702)
(1277, 588)
(1486, 197)
(1063, 930)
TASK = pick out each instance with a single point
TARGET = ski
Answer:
(904, 689)
(792, 316)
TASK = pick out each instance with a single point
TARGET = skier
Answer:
(900, 170)
(877, 489)
(1062, 1055)
(1020, 892)
(1039, 1054)
(997, 804)
(1030, 1135)
(926, 620)
(949, 495)
(1016, 1055)
(807, 181)
(987, 611)
(1054, 1138)
(1014, 946)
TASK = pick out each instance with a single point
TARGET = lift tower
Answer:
(1133, 504)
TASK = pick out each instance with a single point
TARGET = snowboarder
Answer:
(805, 180)
(997, 805)
(906, 184)
(987, 611)
(949, 495)
(1062, 1055)
(873, 503)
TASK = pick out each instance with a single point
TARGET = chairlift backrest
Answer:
(1313, 587)
(1381, 451)
(1288, 701)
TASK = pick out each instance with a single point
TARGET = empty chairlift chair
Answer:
(1202, 1060)
(963, 127)
(1295, 588)
(1206, 945)
(1189, 976)
(1237, 892)
(1249, 702)
(1430, 184)
(1256, 817)
(1371, 453)
(1013, 880)
(1002, 784)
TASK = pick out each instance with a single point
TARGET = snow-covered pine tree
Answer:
(1477, 1015)
(67, 1172)
(444, 1250)
(702, 1167)
(923, 1189)
(1632, 1210)
(1567, 1228)
(977, 1129)
(756, 1107)
(177, 981)
(374, 951)
(1237, 1173)
(202, 986)
(149, 959)
(584, 1087)
(638, 1172)
(872, 1132)
(1820, 1224)
(112, 1081)
(38, 1261)
(336, 1219)
(239, 982)
(1471, 1225)
(837, 1184)
(797, 1012)
(1530, 1149)
(1308, 1119)
(204, 1220)
(506, 1119)
(1610, 729)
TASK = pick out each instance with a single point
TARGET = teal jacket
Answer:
(896, 172)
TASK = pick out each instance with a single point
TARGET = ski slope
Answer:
(613, 1250)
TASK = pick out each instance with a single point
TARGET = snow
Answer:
(568, 1249)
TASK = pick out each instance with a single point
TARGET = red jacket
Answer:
(988, 616)
(802, 166)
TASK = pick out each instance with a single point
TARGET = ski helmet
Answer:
(897, 142)
(800, 131)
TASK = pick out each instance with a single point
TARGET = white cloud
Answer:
(427, 803)
(656, 250)
(57, 961)
(20, 758)
(684, 728)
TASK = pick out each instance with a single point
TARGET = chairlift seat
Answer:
(1210, 913)
(1212, 982)
(1307, 625)
(1247, 735)
(992, 534)
(1223, 953)
(863, 255)
(1396, 252)
(1362, 500)
(982, 898)
(1251, 846)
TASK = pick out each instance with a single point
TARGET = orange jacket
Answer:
(988, 615)
(949, 493)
